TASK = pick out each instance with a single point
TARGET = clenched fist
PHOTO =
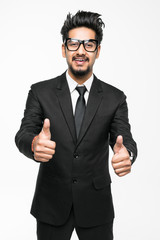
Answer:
(43, 147)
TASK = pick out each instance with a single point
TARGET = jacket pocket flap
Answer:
(101, 181)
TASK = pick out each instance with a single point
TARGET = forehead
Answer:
(82, 33)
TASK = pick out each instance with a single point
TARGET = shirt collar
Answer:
(73, 84)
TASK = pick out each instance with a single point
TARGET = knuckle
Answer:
(35, 157)
(124, 163)
(113, 165)
(44, 160)
(53, 145)
(129, 162)
(126, 155)
(40, 141)
(121, 175)
(116, 171)
(113, 160)
(36, 148)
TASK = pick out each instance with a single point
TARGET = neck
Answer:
(80, 79)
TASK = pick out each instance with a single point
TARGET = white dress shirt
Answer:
(74, 93)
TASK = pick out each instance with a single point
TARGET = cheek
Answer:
(68, 56)
(92, 60)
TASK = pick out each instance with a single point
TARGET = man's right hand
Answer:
(43, 147)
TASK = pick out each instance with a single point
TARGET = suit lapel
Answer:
(94, 100)
(64, 98)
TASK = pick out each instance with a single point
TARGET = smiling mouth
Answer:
(80, 58)
(80, 61)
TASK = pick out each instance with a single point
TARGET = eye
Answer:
(73, 43)
(89, 45)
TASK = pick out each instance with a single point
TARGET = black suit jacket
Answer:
(78, 173)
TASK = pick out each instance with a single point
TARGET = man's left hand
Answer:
(121, 160)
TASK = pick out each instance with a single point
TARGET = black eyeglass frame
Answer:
(82, 42)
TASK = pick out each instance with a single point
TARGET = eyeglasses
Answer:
(89, 45)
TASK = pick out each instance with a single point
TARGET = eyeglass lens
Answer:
(74, 44)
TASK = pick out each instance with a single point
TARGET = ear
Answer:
(98, 51)
(63, 50)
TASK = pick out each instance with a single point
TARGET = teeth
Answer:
(81, 60)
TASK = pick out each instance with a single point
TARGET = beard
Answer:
(79, 73)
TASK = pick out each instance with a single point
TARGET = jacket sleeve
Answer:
(120, 126)
(31, 124)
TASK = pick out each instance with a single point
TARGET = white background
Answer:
(30, 51)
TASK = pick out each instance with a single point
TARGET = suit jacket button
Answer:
(74, 180)
(76, 155)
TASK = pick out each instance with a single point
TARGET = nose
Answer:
(81, 50)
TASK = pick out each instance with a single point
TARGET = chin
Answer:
(80, 72)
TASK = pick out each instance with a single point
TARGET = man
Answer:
(68, 125)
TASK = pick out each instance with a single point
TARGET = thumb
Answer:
(46, 129)
(119, 144)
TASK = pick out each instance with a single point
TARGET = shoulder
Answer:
(111, 91)
(47, 84)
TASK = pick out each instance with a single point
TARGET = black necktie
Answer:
(80, 108)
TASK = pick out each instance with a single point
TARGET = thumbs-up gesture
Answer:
(121, 160)
(43, 147)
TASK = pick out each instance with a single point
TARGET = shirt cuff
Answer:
(131, 155)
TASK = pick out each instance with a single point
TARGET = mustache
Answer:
(80, 57)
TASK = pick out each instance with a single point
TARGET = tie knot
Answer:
(81, 90)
